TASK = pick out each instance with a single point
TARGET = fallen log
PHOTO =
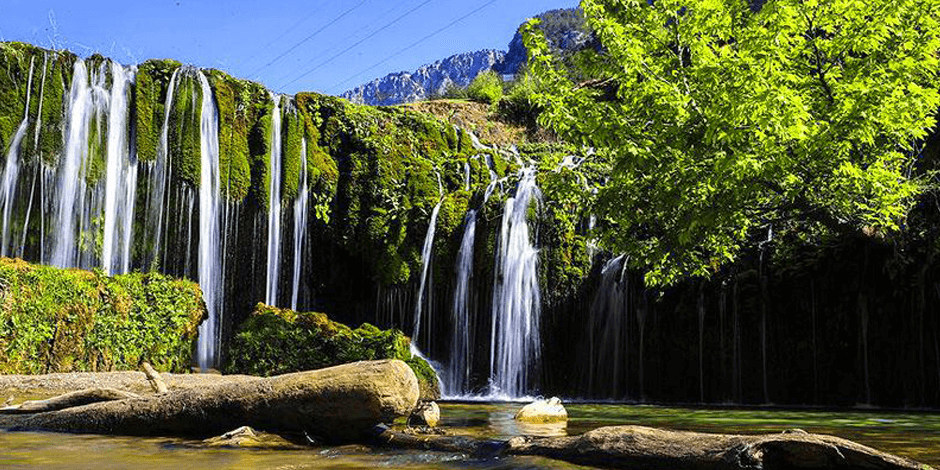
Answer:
(337, 404)
(68, 400)
(641, 448)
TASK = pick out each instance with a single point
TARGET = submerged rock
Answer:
(426, 414)
(246, 437)
(543, 411)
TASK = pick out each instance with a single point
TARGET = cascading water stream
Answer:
(121, 178)
(425, 264)
(274, 206)
(160, 177)
(210, 255)
(300, 224)
(514, 346)
(85, 101)
(11, 170)
(607, 336)
(457, 377)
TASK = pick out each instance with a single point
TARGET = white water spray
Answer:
(274, 206)
(300, 224)
(210, 255)
(11, 170)
(514, 346)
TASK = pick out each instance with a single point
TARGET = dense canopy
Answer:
(728, 121)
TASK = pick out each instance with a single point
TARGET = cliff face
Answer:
(429, 80)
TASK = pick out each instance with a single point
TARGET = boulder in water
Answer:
(426, 414)
(543, 411)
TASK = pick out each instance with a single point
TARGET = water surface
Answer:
(913, 435)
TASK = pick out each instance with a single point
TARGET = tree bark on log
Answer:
(68, 400)
(153, 377)
(641, 448)
(337, 404)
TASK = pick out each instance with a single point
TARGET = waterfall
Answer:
(85, 101)
(274, 206)
(300, 224)
(607, 336)
(121, 178)
(514, 346)
(160, 177)
(425, 263)
(11, 169)
(457, 378)
(210, 255)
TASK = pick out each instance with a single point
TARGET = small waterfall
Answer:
(514, 346)
(11, 169)
(608, 334)
(210, 255)
(457, 378)
(300, 224)
(425, 264)
(274, 206)
(121, 178)
(159, 179)
(85, 102)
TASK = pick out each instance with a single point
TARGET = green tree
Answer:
(487, 87)
(725, 121)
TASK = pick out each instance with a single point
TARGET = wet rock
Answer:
(426, 414)
(543, 411)
(246, 437)
(641, 447)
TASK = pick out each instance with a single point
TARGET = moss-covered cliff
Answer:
(68, 320)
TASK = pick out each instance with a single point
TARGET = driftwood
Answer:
(68, 400)
(154, 378)
(338, 404)
(641, 448)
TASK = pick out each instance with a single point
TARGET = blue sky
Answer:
(289, 46)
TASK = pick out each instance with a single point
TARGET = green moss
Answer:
(152, 85)
(278, 341)
(58, 320)
(236, 100)
(292, 138)
(259, 147)
(15, 59)
(57, 84)
(184, 129)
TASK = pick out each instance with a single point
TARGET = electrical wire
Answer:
(373, 34)
(416, 43)
(282, 36)
(302, 41)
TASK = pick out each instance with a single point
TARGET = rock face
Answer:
(337, 404)
(428, 80)
(542, 411)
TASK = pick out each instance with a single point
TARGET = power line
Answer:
(373, 34)
(295, 46)
(347, 39)
(282, 36)
(416, 43)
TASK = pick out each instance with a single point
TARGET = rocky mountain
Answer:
(433, 79)
(565, 30)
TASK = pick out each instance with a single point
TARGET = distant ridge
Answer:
(565, 29)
